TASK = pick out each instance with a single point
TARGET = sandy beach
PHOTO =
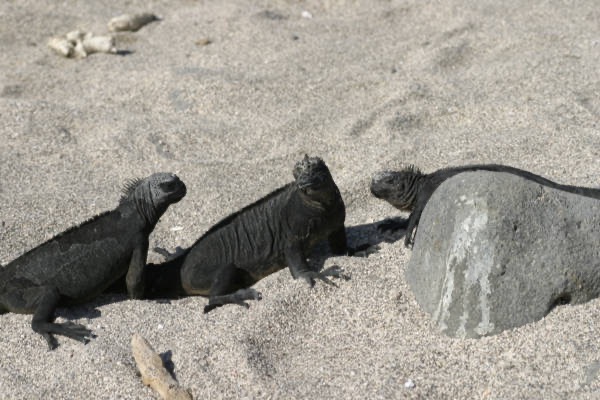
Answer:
(229, 95)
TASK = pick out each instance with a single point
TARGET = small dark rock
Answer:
(203, 42)
(272, 15)
(11, 91)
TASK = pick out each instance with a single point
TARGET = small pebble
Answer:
(203, 42)
(98, 44)
(127, 22)
(306, 14)
(61, 46)
(409, 384)
(74, 36)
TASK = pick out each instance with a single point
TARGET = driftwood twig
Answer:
(153, 371)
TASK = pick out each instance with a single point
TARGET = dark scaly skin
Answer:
(410, 189)
(278, 230)
(80, 263)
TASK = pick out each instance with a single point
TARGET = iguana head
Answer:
(154, 194)
(314, 180)
(399, 188)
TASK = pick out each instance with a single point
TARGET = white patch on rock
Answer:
(467, 239)
(442, 312)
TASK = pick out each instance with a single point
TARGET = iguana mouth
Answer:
(174, 188)
(179, 193)
(380, 184)
(312, 180)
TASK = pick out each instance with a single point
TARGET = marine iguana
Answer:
(276, 231)
(81, 262)
(409, 190)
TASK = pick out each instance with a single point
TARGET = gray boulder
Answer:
(495, 251)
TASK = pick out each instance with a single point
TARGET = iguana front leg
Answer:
(299, 268)
(413, 224)
(135, 273)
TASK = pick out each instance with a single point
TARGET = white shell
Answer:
(74, 36)
(61, 46)
(79, 50)
(127, 22)
(78, 44)
(99, 44)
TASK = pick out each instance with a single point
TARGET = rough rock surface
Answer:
(495, 251)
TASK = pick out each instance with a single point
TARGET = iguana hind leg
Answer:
(230, 286)
(43, 318)
(238, 297)
(42, 302)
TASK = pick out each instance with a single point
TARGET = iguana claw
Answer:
(334, 271)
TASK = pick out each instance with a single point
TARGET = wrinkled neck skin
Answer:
(405, 201)
(417, 182)
(419, 178)
(144, 204)
(310, 202)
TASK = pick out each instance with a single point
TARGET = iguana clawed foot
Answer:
(409, 240)
(238, 298)
(334, 271)
(51, 340)
(70, 330)
(167, 255)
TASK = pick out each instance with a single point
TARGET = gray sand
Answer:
(365, 85)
